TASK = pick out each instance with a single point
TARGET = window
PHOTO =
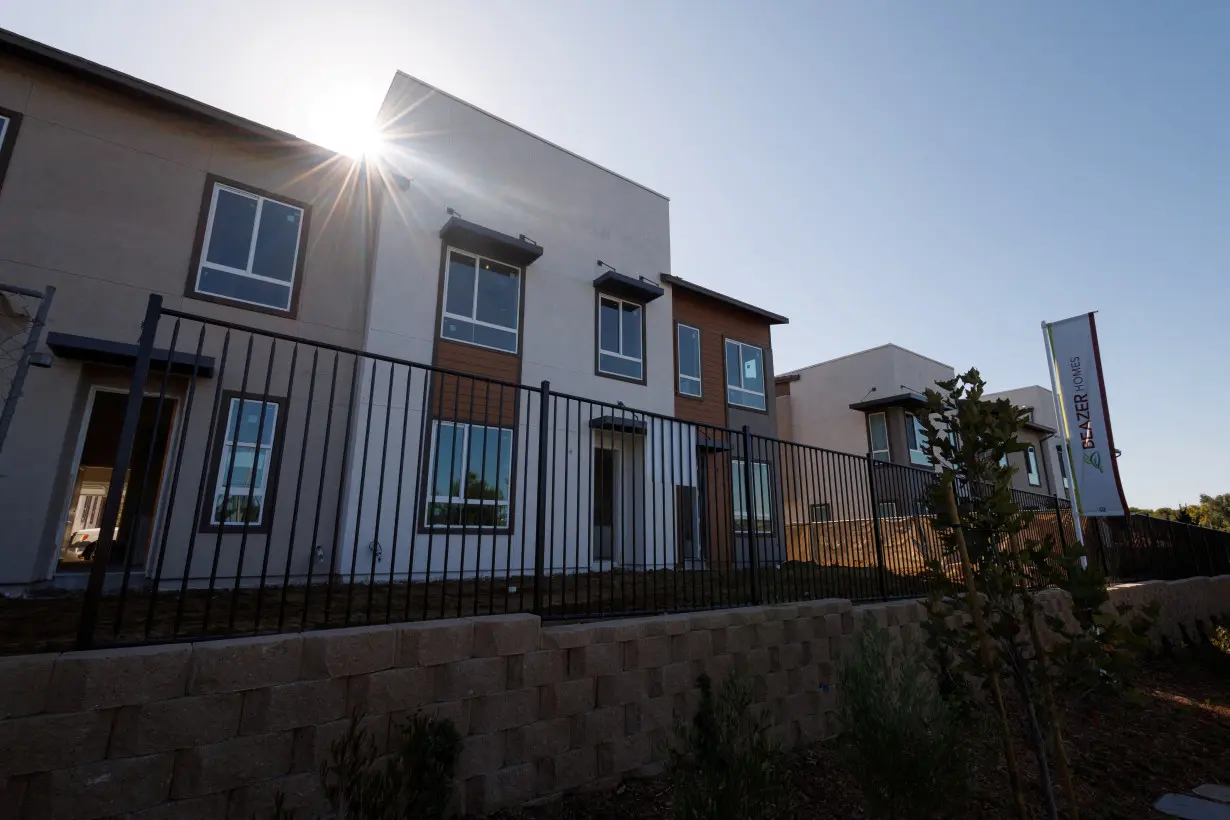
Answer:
(877, 430)
(916, 436)
(744, 375)
(244, 459)
(762, 511)
(1063, 466)
(1031, 466)
(887, 509)
(820, 513)
(10, 121)
(470, 476)
(620, 340)
(687, 344)
(252, 248)
(482, 302)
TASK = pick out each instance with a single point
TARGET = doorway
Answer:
(606, 482)
(100, 438)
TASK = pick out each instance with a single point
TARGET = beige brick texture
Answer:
(175, 724)
(101, 789)
(45, 742)
(291, 705)
(434, 642)
(340, 653)
(23, 684)
(104, 678)
(506, 710)
(391, 690)
(499, 635)
(245, 663)
(231, 764)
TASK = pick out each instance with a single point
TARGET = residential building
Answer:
(1041, 468)
(112, 190)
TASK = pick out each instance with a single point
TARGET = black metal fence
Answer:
(267, 483)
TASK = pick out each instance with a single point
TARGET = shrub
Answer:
(904, 742)
(724, 766)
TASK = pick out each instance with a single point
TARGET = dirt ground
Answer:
(1170, 735)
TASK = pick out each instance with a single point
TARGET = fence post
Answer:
(540, 530)
(123, 455)
(1063, 540)
(747, 511)
(875, 527)
(23, 367)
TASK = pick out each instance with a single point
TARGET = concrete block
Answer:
(752, 615)
(313, 744)
(816, 651)
(786, 657)
(598, 726)
(568, 698)
(575, 768)
(771, 686)
(717, 667)
(805, 678)
(691, 646)
(847, 623)
(209, 807)
(499, 635)
(175, 724)
(626, 687)
(544, 739)
(13, 796)
(677, 677)
(431, 643)
(833, 626)
(104, 678)
(41, 743)
(24, 681)
(628, 629)
(291, 705)
(102, 789)
(647, 653)
(301, 793)
(392, 690)
(655, 713)
(245, 663)
(738, 639)
(506, 710)
(782, 612)
(516, 784)
(770, 633)
(799, 630)
(570, 636)
(471, 678)
(543, 667)
(754, 662)
(457, 711)
(340, 653)
(482, 754)
(676, 624)
(595, 659)
(623, 754)
(231, 764)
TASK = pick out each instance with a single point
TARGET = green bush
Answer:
(724, 766)
(904, 742)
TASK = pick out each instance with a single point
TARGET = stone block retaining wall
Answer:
(216, 729)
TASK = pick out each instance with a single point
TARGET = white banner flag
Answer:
(1084, 416)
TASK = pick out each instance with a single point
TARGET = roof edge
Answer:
(893, 345)
(773, 318)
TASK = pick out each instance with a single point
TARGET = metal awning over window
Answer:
(619, 424)
(909, 400)
(627, 287)
(121, 354)
(470, 236)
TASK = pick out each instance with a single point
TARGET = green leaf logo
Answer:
(1095, 460)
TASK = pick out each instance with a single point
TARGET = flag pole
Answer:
(1065, 451)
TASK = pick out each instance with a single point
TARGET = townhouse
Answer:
(467, 356)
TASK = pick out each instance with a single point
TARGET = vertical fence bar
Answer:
(875, 526)
(749, 523)
(540, 524)
(123, 455)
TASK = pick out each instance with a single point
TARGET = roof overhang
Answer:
(122, 354)
(470, 236)
(1039, 428)
(909, 400)
(683, 284)
(627, 287)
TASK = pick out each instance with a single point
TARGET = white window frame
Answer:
(919, 457)
(445, 315)
(640, 310)
(1032, 474)
(232, 491)
(461, 500)
(764, 376)
(203, 263)
(871, 439)
(739, 487)
(680, 375)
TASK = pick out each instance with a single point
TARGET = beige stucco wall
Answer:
(1040, 399)
(217, 729)
(101, 200)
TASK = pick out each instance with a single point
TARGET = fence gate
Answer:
(23, 317)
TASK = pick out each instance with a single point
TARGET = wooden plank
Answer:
(1191, 808)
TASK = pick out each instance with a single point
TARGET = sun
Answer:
(358, 140)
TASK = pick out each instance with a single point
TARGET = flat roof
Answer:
(773, 318)
(868, 350)
(14, 44)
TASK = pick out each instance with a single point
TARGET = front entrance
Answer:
(92, 471)
(606, 502)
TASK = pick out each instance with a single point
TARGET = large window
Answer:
(1031, 466)
(470, 476)
(251, 248)
(243, 459)
(687, 345)
(1063, 465)
(620, 340)
(877, 436)
(761, 513)
(916, 436)
(744, 375)
(482, 302)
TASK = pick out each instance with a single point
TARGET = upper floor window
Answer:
(687, 346)
(9, 123)
(877, 435)
(1063, 466)
(744, 375)
(916, 436)
(1031, 466)
(621, 340)
(252, 248)
(482, 302)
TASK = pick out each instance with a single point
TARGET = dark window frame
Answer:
(425, 496)
(9, 141)
(764, 363)
(446, 251)
(215, 466)
(198, 248)
(599, 295)
(1034, 476)
(700, 346)
(772, 520)
(812, 518)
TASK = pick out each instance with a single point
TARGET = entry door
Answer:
(687, 530)
(606, 489)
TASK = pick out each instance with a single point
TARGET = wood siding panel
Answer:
(464, 399)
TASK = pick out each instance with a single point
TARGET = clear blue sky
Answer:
(943, 175)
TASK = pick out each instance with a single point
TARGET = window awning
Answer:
(909, 400)
(704, 442)
(470, 236)
(122, 354)
(627, 287)
(620, 424)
